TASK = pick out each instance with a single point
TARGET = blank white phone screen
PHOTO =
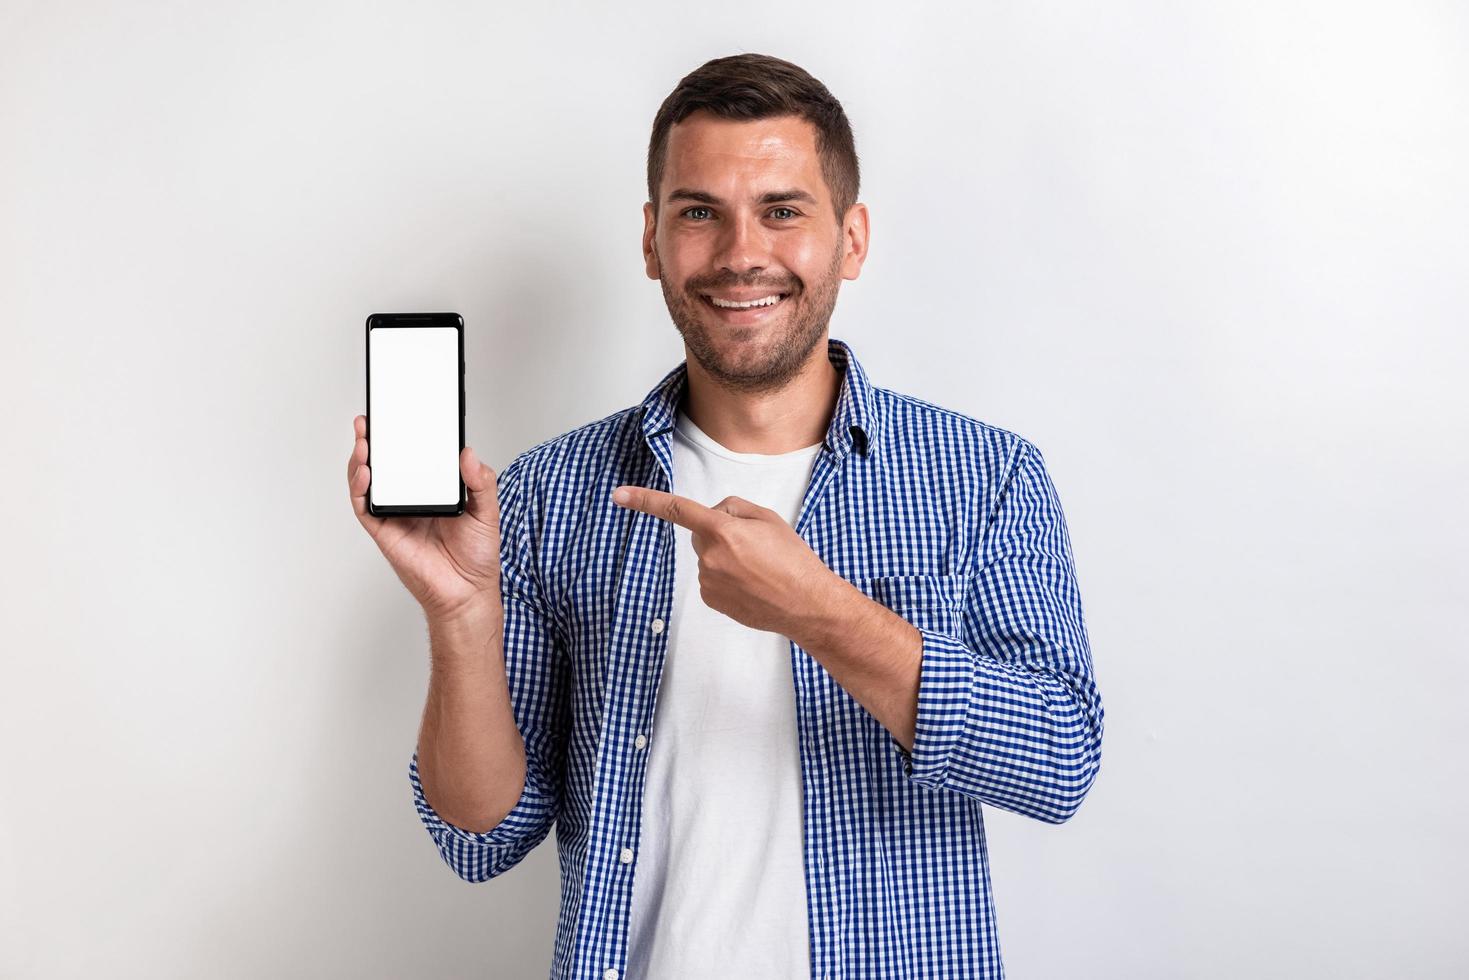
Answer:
(413, 415)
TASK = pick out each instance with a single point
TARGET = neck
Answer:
(767, 422)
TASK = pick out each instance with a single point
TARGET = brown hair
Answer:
(758, 86)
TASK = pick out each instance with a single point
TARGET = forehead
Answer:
(711, 153)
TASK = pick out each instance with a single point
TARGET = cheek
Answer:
(679, 260)
(807, 259)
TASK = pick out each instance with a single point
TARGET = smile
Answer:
(729, 304)
(747, 312)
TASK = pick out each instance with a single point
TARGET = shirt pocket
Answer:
(932, 601)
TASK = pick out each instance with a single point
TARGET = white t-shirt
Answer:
(719, 889)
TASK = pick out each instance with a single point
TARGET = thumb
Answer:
(483, 503)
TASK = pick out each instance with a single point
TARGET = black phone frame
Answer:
(436, 320)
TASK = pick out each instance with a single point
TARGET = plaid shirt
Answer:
(951, 523)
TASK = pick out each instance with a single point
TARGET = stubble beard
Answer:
(758, 358)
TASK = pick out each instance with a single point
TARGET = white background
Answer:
(1209, 257)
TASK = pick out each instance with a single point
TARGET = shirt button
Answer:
(627, 855)
(657, 626)
(609, 974)
(640, 741)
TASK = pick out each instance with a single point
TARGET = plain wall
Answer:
(1210, 258)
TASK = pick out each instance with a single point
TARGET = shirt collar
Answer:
(853, 422)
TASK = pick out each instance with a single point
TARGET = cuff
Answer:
(945, 684)
(529, 813)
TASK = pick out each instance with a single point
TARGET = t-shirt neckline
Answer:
(685, 426)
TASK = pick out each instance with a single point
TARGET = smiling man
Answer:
(773, 636)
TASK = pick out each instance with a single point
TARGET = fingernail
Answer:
(621, 496)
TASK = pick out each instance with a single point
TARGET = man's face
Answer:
(745, 214)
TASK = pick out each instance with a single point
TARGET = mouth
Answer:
(746, 314)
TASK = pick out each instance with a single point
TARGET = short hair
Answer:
(759, 86)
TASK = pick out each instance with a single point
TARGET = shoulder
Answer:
(598, 440)
(908, 420)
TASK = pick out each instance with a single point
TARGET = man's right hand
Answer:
(451, 565)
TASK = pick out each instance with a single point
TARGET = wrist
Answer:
(828, 613)
(468, 635)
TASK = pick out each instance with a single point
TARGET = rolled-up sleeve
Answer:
(536, 673)
(1009, 713)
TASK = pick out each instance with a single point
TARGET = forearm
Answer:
(871, 651)
(1002, 732)
(471, 757)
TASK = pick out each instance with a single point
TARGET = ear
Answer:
(855, 233)
(650, 254)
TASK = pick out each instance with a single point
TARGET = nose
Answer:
(744, 245)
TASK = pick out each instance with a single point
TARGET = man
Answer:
(763, 695)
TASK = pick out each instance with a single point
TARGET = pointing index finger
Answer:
(671, 507)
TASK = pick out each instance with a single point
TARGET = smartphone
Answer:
(415, 414)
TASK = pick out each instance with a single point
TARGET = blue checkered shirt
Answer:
(950, 522)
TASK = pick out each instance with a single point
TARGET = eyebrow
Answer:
(769, 197)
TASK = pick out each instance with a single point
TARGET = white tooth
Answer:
(767, 301)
